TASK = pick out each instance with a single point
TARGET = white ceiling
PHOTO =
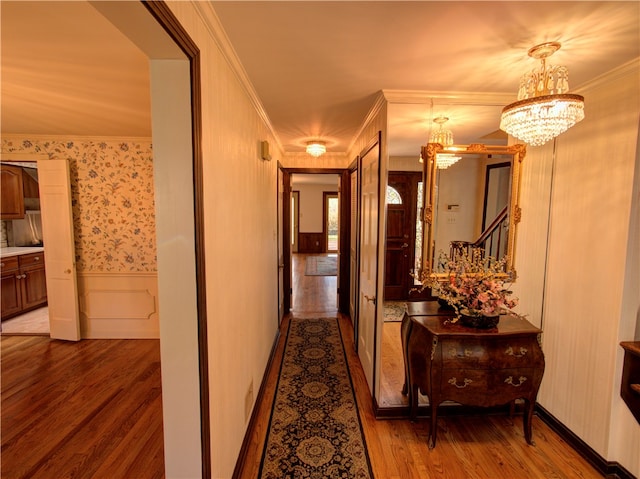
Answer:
(316, 66)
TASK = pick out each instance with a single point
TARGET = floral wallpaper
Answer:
(112, 200)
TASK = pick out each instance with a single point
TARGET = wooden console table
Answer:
(473, 367)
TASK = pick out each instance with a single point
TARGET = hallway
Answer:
(312, 293)
(480, 447)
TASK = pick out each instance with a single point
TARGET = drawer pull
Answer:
(37, 258)
(453, 352)
(511, 352)
(509, 380)
(454, 382)
(635, 388)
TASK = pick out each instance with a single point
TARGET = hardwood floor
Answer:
(312, 293)
(469, 447)
(91, 409)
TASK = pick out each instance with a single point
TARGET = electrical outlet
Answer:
(248, 401)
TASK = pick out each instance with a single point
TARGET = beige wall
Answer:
(240, 237)
(312, 206)
(405, 163)
(586, 191)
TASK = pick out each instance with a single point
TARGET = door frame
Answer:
(343, 240)
(35, 158)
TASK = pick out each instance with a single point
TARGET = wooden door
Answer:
(400, 235)
(368, 271)
(57, 222)
(281, 240)
(353, 253)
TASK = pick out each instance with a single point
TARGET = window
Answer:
(393, 197)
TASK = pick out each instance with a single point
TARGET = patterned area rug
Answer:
(314, 429)
(394, 310)
(321, 266)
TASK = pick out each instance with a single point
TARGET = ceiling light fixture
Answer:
(316, 148)
(444, 137)
(544, 109)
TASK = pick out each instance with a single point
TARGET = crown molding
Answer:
(379, 102)
(216, 31)
(448, 97)
(629, 68)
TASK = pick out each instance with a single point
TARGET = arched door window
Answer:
(393, 197)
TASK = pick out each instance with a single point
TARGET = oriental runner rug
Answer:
(314, 430)
(394, 310)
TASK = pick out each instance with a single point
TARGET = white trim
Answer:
(212, 23)
(379, 102)
(29, 136)
(449, 97)
(623, 70)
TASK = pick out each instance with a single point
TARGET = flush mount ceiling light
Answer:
(544, 109)
(316, 148)
(444, 137)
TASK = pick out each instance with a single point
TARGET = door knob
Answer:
(405, 245)
(67, 271)
(371, 299)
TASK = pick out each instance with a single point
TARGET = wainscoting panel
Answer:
(311, 243)
(120, 305)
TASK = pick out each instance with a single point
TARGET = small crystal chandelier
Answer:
(544, 109)
(316, 148)
(445, 138)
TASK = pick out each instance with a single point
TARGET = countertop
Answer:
(18, 250)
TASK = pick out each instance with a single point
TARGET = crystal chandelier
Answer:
(544, 109)
(445, 138)
(316, 148)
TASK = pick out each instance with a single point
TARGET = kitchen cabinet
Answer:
(23, 284)
(12, 192)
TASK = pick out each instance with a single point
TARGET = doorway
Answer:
(306, 226)
(25, 233)
(401, 234)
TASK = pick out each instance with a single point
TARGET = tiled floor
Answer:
(33, 322)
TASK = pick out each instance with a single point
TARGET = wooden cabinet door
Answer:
(11, 295)
(34, 287)
(11, 190)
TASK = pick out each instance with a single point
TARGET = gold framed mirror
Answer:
(472, 204)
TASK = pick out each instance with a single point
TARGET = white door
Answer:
(369, 167)
(60, 265)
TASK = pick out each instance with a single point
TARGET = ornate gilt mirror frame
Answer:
(515, 153)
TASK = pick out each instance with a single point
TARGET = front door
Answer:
(400, 235)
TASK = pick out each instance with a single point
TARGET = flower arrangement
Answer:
(473, 285)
